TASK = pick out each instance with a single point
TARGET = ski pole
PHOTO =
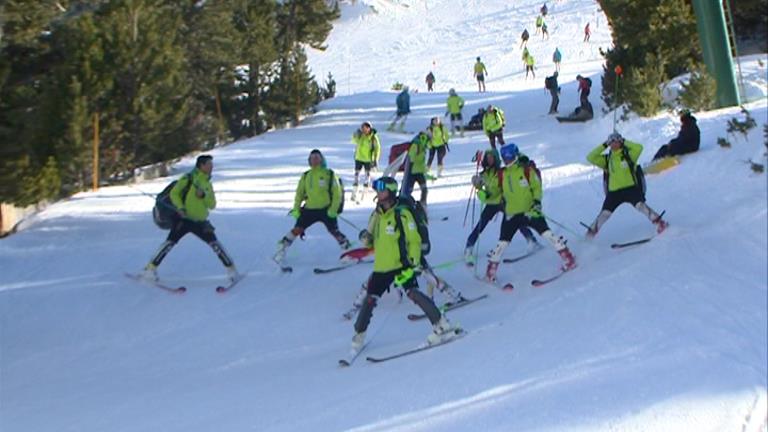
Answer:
(343, 219)
(478, 159)
(562, 226)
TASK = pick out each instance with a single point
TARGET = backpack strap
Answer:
(186, 189)
(401, 240)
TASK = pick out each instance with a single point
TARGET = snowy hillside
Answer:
(667, 336)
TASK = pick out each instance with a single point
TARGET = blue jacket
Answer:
(403, 103)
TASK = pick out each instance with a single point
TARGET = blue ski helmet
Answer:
(509, 152)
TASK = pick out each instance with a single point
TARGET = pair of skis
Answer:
(354, 354)
(181, 289)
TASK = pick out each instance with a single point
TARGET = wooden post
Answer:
(220, 134)
(96, 151)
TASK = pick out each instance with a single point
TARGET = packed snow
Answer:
(669, 335)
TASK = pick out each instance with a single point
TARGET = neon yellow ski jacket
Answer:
(315, 190)
(620, 175)
(195, 208)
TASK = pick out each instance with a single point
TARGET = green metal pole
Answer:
(716, 47)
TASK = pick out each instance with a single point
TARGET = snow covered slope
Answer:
(670, 335)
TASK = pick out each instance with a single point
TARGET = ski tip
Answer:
(343, 363)
(537, 283)
(508, 287)
(181, 290)
(221, 289)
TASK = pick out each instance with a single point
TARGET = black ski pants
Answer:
(379, 283)
(489, 211)
(520, 221)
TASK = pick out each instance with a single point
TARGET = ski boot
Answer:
(358, 340)
(490, 271)
(469, 256)
(150, 273)
(569, 262)
(232, 273)
(443, 331)
(282, 245)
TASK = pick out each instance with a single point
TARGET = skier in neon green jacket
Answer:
(417, 155)
(455, 104)
(493, 125)
(367, 152)
(397, 244)
(193, 197)
(623, 185)
(522, 194)
(318, 199)
(438, 144)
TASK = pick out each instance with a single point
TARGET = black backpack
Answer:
(420, 217)
(589, 82)
(637, 174)
(165, 214)
(549, 83)
(343, 192)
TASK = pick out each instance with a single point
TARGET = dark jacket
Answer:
(688, 138)
(403, 103)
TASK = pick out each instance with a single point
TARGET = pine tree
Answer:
(256, 26)
(654, 40)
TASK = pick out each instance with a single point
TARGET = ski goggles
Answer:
(380, 185)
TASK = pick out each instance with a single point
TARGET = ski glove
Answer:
(405, 276)
(365, 237)
(331, 214)
(535, 210)
(295, 213)
(477, 181)
(482, 196)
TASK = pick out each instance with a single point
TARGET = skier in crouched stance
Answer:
(623, 184)
(397, 245)
(193, 197)
(522, 195)
(320, 193)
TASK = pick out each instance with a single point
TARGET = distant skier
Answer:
(438, 144)
(687, 140)
(557, 57)
(397, 244)
(455, 104)
(318, 198)
(623, 184)
(193, 197)
(493, 125)
(403, 102)
(367, 152)
(524, 38)
(539, 22)
(529, 62)
(587, 33)
(488, 186)
(550, 83)
(524, 58)
(480, 73)
(544, 31)
(430, 80)
(585, 87)
(417, 155)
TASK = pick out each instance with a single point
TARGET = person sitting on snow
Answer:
(687, 141)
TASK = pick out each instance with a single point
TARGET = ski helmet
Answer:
(509, 152)
(615, 136)
(317, 152)
(452, 92)
(385, 184)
